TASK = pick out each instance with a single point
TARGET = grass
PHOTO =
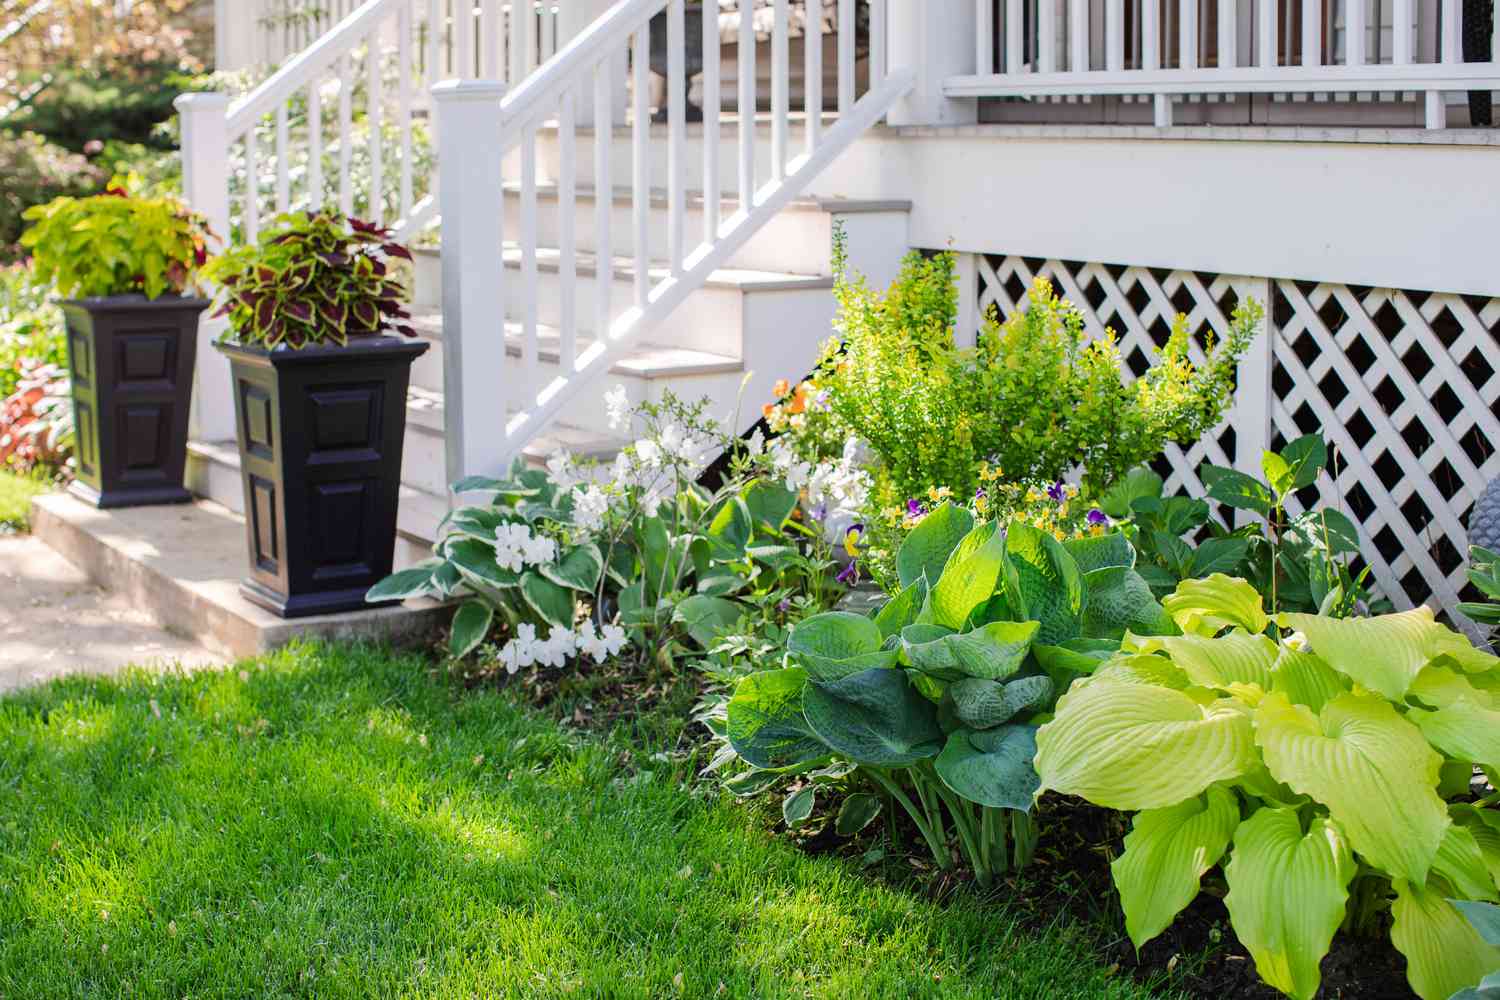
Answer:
(15, 500)
(333, 822)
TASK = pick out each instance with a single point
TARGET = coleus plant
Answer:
(1323, 763)
(934, 699)
(310, 280)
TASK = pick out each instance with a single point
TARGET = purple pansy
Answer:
(1055, 491)
(1096, 516)
(914, 507)
(849, 575)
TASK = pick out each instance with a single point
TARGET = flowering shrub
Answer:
(36, 420)
(37, 171)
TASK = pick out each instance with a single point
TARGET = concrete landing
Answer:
(58, 621)
(181, 566)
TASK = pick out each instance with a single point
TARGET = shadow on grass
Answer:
(331, 822)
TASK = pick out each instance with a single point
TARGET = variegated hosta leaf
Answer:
(1166, 853)
(1287, 891)
(1444, 953)
(1135, 746)
(1370, 767)
(1384, 653)
(1236, 657)
(1214, 603)
(1464, 722)
(1461, 864)
(1305, 679)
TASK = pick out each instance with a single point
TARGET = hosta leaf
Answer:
(1370, 767)
(578, 569)
(837, 644)
(1068, 661)
(1144, 668)
(995, 651)
(1384, 653)
(858, 811)
(797, 807)
(471, 623)
(1483, 918)
(874, 718)
(765, 722)
(1136, 746)
(705, 616)
(991, 767)
(769, 504)
(1484, 826)
(1166, 853)
(1119, 599)
(927, 548)
(1234, 658)
(1287, 893)
(1043, 582)
(730, 530)
(553, 604)
(901, 610)
(1305, 679)
(1462, 865)
(414, 582)
(1204, 607)
(476, 560)
(970, 576)
(1444, 952)
(1464, 724)
(1093, 552)
(981, 704)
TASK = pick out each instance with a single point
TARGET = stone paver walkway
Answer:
(57, 622)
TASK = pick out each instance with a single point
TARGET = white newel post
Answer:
(936, 40)
(205, 187)
(475, 389)
(573, 18)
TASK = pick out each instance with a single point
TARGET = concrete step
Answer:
(181, 565)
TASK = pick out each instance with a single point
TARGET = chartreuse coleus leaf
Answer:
(1384, 653)
(1371, 768)
(928, 546)
(1166, 853)
(1287, 892)
(1237, 657)
(873, 717)
(1214, 603)
(1138, 746)
(970, 576)
(765, 723)
(1462, 721)
(838, 644)
(1043, 582)
(1444, 952)
(991, 767)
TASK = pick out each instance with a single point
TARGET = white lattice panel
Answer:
(1403, 385)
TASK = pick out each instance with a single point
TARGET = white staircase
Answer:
(705, 271)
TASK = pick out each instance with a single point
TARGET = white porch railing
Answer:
(1043, 49)
(495, 404)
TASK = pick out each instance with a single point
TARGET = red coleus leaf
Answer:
(265, 311)
(406, 331)
(397, 250)
(298, 310)
(266, 274)
(365, 315)
(333, 314)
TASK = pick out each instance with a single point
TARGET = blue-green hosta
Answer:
(1324, 763)
(936, 697)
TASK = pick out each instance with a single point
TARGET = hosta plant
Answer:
(313, 279)
(1484, 573)
(933, 700)
(1323, 764)
(116, 243)
(1300, 562)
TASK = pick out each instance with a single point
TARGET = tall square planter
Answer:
(130, 360)
(320, 435)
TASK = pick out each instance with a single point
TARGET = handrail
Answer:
(306, 65)
(1237, 80)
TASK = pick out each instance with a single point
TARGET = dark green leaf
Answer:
(765, 722)
(552, 604)
(1139, 482)
(769, 504)
(579, 568)
(873, 718)
(414, 582)
(858, 811)
(471, 623)
(704, 617)
(1234, 488)
(1043, 582)
(476, 561)
(1305, 457)
(797, 807)
(991, 767)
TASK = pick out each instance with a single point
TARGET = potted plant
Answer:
(125, 265)
(320, 405)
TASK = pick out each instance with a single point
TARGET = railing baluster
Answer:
(1047, 12)
(251, 214)
(1401, 31)
(403, 104)
(745, 64)
(346, 134)
(463, 48)
(548, 31)
(374, 117)
(984, 35)
(878, 54)
(780, 87)
(1228, 34)
(1015, 47)
(435, 28)
(676, 131)
(812, 62)
(528, 256)
(847, 42)
(567, 211)
(640, 173)
(1187, 34)
(315, 197)
(491, 52)
(1114, 35)
(1312, 32)
(520, 39)
(283, 154)
(1450, 50)
(604, 273)
(1078, 34)
(1265, 16)
(1161, 104)
(712, 99)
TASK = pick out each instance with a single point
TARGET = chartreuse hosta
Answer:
(1324, 763)
(935, 698)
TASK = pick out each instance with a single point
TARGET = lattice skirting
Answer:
(1403, 384)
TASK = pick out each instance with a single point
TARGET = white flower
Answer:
(648, 452)
(562, 469)
(512, 657)
(613, 637)
(651, 503)
(511, 541)
(589, 507)
(756, 443)
(617, 406)
(672, 439)
(558, 647)
(590, 643)
(540, 550)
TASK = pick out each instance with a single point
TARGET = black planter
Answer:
(320, 432)
(131, 364)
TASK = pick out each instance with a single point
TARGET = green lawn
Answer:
(15, 500)
(335, 823)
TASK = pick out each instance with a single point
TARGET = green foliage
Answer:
(115, 244)
(1035, 398)
(31, 330)
(82, 107)
(37, 171)
(1333, 754)
(1302, 563)
(934, 700)
(310, 280)
(1484, 573)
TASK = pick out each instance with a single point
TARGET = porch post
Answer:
(205, 188)
(936, 40)
(573, 17)
(471, 200)
(235, 34)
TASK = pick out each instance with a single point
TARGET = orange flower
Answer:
(767, 410)
(781, 388)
